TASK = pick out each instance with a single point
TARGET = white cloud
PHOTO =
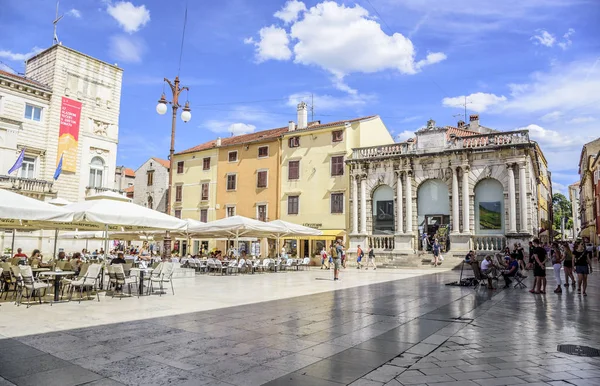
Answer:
(127, 48)
(544, 38)
(129, 17)
(273, 44)
(17, 57)
(329, 102)
(578, 120)
(403, 136)
(566, 43)
(355, 43)
(551, 117)
(290, 11)
(74, 13)
(478, 102)
(237, 128)
(4, 67)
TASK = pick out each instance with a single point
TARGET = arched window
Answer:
(96, 170)
(489, 207)
(383, 210)
(150, 203)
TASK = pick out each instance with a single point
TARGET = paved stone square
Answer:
(379, 328)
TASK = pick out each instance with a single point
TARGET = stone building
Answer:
(151, 184)
(574, 198)
(589, 205)
(124, 178)
(470, 186)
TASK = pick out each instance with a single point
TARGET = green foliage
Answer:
(561, 207)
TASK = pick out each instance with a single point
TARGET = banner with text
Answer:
(68, 136)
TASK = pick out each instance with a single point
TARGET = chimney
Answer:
(302, 116)
(461, 124)
(474, 122)
(291, 126)
(218, 141)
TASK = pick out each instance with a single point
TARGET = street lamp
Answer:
(186, 115)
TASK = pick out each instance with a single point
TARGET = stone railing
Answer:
(27, 185)
(488, 243)
(90, 191)
(382, 151)
(491, 140)
(385, 243)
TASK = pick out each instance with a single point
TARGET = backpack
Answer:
(371, 254)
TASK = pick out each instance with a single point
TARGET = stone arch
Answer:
(496, 172)
(383, 209)
(489, 205)
(433, 199)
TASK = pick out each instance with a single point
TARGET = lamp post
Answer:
(186, 115)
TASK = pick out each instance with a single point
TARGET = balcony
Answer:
(31, 187)
(492, 140)
(90, 191)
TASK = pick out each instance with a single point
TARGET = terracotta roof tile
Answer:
(129, 189)
(129, 172)
(460, 132)
(265, 134)
(25, 80)
(163, 162)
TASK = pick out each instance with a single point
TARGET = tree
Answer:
(561, 207)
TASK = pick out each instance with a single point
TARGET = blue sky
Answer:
(533, 64)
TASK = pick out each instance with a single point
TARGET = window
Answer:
(294, 170)
(294, 142)
(206, 163)
(337, 136)
(96, 170)
(150, 203)
(337, 202)
(178, 193)
(293, 202)
(178, 213)
(28, 167)
(233, 156)
(263, 151)
(231, 182)
(262, 177)
(203, 215)
(337, 166)
(150, 175)
(33, 113)
(261, 211)
(204, 195)
(179, 167)
(230, 211)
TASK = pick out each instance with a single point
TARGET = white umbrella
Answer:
(292, 229)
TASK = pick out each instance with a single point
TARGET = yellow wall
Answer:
(247, 195)
(316, 183)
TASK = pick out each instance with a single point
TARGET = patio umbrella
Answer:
(291, 229)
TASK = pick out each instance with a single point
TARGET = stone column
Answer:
(409, 216)
(523, 197)
(466, 201)
(455, 202)
(363, 205)
(512, 200)
(399, 215)
(354, 205)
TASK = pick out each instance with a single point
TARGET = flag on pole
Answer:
(19, 162)
(58, 168)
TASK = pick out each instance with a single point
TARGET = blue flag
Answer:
(58, 168)
(19, 162)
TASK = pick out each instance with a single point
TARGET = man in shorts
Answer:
(337, 261)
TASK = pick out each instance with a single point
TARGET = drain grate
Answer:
(582, 351)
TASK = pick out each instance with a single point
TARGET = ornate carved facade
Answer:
(470, 188)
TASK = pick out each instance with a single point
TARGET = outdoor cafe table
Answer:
(38, 270)
(141, 277)
(57, 276)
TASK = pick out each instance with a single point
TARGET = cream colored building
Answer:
(314, 177)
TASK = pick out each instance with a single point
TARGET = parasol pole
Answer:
(55, 242)
(12, 245)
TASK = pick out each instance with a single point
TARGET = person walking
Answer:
(583, 267)
(337, 261)
(520, 256)
(539, 268)
(324, 258)
(359, 256)
(557, 258)
(371, 258)
(568, 265)
(436, 252)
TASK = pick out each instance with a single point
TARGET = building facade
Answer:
(575, 213)
(151, 184)
(544, 199)
(314, 179)
(469, 186)
(124, 178)
(588, 203)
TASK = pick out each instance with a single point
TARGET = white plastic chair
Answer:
(30, 284)
(166, 276)
(89, 280)
(305, 262)
(123, 280)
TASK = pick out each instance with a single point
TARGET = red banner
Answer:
(68, 136)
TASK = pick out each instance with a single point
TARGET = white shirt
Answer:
(485, 265)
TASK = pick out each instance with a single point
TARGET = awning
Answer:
(328, 234)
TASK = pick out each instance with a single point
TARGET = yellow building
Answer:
(195, 186)
(314, 179)
(544, 189)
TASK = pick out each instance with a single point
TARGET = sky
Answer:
(531, 64)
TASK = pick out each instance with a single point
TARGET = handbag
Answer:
(441, 257)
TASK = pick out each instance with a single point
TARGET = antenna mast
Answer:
(55, 22)
(312, 107)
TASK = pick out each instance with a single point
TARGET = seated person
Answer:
(511, 271)
(488, 270)
(119, 259)
(20, 255)
(470, 257)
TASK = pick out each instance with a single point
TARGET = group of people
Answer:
(573, 258)
(337, 256)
